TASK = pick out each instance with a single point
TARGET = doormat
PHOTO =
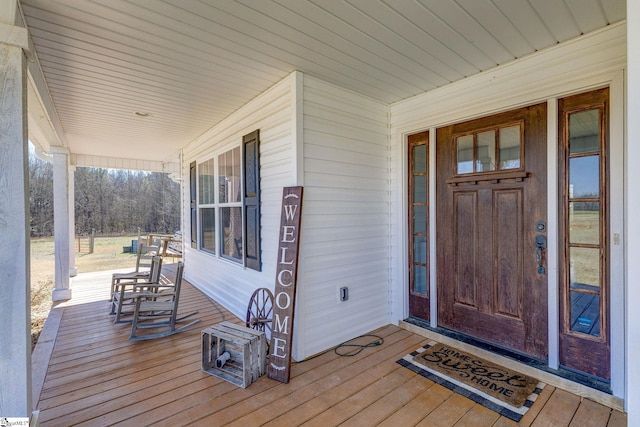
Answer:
(502, 390)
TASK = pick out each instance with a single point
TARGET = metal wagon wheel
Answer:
(260, 311)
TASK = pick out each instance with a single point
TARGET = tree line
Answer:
(107, 201)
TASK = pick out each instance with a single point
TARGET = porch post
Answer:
(73, 270)
(632, 209)
(15, 333)
(61, 222)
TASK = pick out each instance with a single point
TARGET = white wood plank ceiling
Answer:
(191, 63)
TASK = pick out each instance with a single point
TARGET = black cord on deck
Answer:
(376, 342)
(358, 347)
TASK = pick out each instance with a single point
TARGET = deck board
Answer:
(590, 414)
(559, 410)
(97, 377)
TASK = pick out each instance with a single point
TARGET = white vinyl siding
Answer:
(345, 214)
(227, 282)
(345, 218)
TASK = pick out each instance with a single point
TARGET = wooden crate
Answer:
(247, 349)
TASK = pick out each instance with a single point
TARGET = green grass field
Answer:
(107, 255)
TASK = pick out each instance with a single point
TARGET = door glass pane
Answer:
(420, 189)
(584, 177)
(419, 219)
(584, 222)
(486, 151)
(464, 145)
(420, 279)
(585, 313)
(420, 159)
(420, 249)
(585, 268)
(583, 132)
(510, 147)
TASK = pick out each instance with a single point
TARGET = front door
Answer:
(491, 229)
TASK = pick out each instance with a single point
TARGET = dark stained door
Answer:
(491, 208)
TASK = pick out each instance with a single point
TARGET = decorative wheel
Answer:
(260, 311)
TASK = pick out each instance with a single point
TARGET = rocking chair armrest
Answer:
(147, 294)
(140, 295)
(143, 284)
(155, 285)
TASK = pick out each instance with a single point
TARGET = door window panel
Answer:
(420, 159)
(489, 150)
(465, 154)
(420, 249)
(420, 274)
(486, 151)
(584, 222)
(420, 189)
(419, 215)
(584, 272)
(585, 315)
(510, 147)
(584, 177)
(584, 131)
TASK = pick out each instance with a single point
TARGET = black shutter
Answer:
(251, 199)
(194, 207)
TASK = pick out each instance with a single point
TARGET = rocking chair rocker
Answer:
(154, 310)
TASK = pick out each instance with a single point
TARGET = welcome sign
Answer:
(285, 290)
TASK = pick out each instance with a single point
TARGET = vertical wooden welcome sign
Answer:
(285, 290)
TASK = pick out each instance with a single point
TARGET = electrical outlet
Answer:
(344, 293)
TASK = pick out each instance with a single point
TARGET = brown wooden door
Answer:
(491, 206)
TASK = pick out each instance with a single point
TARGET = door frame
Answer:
(615, 80)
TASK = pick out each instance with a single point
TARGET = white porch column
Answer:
(61, 222)
(631, 214)
(73, 270)
(15, 332)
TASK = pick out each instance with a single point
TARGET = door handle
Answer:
(541, 244)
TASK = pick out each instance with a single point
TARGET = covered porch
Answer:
(334, 89)
(86, 372)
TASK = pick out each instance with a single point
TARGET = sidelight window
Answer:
(584, 253)
(585, 225)
(418, 222)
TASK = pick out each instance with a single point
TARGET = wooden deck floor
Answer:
(97, 377)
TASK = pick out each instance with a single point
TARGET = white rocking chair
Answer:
(160, 310)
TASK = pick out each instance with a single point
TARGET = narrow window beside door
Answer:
(418, 225)
(584, 256)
